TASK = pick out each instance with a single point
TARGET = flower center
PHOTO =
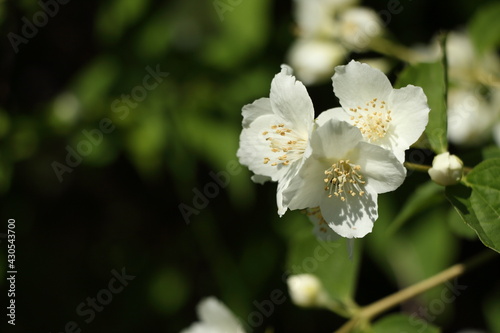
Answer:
(344, 177)
(373, 119)
(283, 140)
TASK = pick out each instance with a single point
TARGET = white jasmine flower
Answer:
(470, 116)
(306, 290)
(391, 118)
(358, 27)
(314, 60)
(343, 176)
(215, 317)
(276, 132)
(446, 169)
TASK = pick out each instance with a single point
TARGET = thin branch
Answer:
(368, 312)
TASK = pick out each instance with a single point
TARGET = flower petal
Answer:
(254, 149)
(306, 188)
(335, 113)
(334, 139)
(352, 218)
(290, 100)
(258, 108)
(410, 115)
(321, 229)
(215, 317)
(356, 83)
(383, 171)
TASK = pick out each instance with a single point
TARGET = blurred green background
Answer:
(119, 206)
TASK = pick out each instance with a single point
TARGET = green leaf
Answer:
(431, 77)
(399, 323)
(426, 195)
(491, 152)
(423, 249)
(459, 196)
(484, 27)
(485, 200)
(459, 227)
(329, 261)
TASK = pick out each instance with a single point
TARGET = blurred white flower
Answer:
(306, 290)
(391, 118)
(470, 116)
(358, 26)
(276, 132)
(343, 176)
(446, 169)
(314, 60)
(426, 52)
(316, 18)
(465, 64)
(214, 317)
(496, 133)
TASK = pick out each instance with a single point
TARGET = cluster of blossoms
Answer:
(327, 31)
(335, 165)
(474, 92)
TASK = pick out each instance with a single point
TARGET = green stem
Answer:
(366, 313)
(389, 48)
(417, 167)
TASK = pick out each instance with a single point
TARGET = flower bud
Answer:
(446, 169)
(306, 290)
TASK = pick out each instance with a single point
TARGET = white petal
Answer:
(357, 83)
(259, 179)
(283, 185)
(260, 107)
(335, 113)
(290, 100)
(410, 115)
(380, 167)
(201, 328)
(334, 139)
(352, 218)
(321, 229)
(215, 313)
(305, 190)
(254, 149)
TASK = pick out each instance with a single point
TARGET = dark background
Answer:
(120, 207)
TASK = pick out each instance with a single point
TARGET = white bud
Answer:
(446, 169)
(306, 290)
